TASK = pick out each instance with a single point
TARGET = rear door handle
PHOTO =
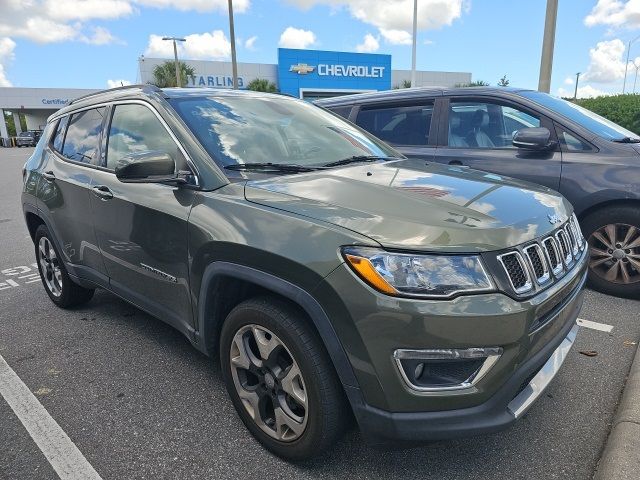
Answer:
(102, 192)
(49, 176)
(455, 162)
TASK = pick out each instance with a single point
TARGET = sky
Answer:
(96, 43)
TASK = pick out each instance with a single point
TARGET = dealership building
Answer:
(307, 74)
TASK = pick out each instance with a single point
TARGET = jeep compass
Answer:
(332, 277)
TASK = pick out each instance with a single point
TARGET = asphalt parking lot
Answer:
(139, 402)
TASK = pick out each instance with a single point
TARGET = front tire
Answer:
(62, 291)
(280, 379)
(614, 248)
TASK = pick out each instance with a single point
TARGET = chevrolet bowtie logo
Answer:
(302, 68)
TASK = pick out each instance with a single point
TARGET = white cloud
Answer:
(239, 6)
(429, 42)
(297, 38)
(586, 91)
(6, 55)
(117, 83)
(568, 81)
(250, 42)
(606, 62)
(100, 36)
(369, 44)
(86, 9)
(50, 21)
(198, 46)
(394, 16)
(614, 13)
(396, 37)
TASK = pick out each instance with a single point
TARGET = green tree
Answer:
(11, 125)
(477, 83)
(504, 82)
(262, 85)
(404, 84)
(164, 75)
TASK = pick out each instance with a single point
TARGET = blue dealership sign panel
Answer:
(320, 70)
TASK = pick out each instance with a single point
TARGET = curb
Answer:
(621, 457)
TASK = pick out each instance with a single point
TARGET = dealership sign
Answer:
(55, 101)
(308, 70)
(219, 81)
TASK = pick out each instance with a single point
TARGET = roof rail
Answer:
(143, 86)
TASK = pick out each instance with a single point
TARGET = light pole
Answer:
(546, 62)
(575, 93)
(175, 56)
(234, 64)
(413, 51)
(626, 65)
(636, 77)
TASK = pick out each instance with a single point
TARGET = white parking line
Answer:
(60, 451)
(602, 327)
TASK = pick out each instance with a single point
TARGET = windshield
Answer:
(583, 117)
(26, 134)
(238, 129)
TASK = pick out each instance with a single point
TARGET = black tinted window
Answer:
(58, 137)
(81, 143)
(136, 129)
(398, 125)
(342, 111)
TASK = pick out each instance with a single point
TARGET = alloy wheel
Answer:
(615, 253)
(269, 382)
(50, 266)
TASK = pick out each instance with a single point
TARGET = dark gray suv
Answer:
(529, 135)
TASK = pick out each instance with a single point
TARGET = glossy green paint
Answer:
(292, 227)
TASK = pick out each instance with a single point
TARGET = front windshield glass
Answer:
(239, 129)
(583, 117)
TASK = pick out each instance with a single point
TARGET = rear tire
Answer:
(614, 248)
(62, 291)
(296, 376)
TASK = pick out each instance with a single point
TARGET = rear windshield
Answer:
(26, 134)
(586, 118)
(247, 129)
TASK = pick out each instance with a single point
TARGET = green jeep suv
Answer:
(334, 278)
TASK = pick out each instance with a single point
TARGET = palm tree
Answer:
(262, 85)
(164, 75)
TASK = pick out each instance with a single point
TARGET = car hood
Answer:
(409, 204)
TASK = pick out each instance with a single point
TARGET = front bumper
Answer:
(511, 402)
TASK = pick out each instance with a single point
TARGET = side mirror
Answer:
(533, 138)
(147, 167)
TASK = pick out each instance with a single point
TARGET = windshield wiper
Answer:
(268, 166)
(357, 159)
(627, 140)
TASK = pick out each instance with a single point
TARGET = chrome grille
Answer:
(565, 249)
(553, 255)
(534, 266)
(516, 271)
(537, 263)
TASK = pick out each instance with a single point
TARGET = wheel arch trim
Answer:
(206, 330)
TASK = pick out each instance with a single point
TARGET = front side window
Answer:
(474, 124)
(398, 125)
(136, 129)
(273, 129)
(571, 142)
(82, 141)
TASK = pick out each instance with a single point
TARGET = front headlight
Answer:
(428, 276)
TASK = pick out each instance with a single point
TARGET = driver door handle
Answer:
(102, 192)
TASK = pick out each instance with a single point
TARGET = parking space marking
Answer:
(602, 327)
(57, 447)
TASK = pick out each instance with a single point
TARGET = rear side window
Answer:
(82, 141)
(398, 125)
(58, 137)
(136, 129)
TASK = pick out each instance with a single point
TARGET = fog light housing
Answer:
(434, 370)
